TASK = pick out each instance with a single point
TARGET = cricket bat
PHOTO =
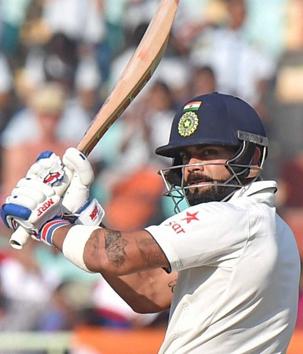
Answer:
(135, 75)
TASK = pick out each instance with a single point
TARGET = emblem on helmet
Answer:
(188, 124)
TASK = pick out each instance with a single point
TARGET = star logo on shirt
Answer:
(191, 217)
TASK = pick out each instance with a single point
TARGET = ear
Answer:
(255, 163)
(256, 158)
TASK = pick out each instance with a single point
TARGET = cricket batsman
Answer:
(227, 266)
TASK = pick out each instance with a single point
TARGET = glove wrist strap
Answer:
(48, 230)
(91, 214)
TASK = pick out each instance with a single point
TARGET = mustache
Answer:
(196, 177)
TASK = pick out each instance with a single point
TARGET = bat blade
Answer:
(136, 74)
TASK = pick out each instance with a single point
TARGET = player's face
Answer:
(204, 170)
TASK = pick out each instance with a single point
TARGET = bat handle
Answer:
(19, 238)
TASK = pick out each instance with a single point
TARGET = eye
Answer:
(185, 157)
(209, 153)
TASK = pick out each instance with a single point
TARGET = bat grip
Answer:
(19, 238)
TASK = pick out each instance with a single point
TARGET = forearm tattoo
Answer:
(115, 247)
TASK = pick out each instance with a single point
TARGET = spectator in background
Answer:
(202, 81)
(80, 20)
(132, 175)
(25, 290)
(287, 125)
(290, 182)
(287, 94)
(47, 105)
(12, 18)
(6, 89)
(88, 82)
(81, 105)
(56, 60)
(84, 24)
(266, 24)
(155, 117)
(240, 68)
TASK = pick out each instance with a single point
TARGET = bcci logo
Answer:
(188, 124)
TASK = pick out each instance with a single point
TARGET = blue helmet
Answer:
(216, 119)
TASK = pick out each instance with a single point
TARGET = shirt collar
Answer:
(263, 191)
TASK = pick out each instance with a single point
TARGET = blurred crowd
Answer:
(59, 60)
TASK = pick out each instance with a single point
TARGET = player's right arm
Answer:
(145, 292)
(132, 263)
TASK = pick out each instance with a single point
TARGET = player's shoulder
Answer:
(220, 207)
(216, 212)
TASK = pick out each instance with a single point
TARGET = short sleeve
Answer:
(212, 234)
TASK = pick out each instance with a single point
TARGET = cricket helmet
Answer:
(217, 119)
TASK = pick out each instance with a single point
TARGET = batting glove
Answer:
(76, 199)
(31, 204)
(50, 169)
(37, 197)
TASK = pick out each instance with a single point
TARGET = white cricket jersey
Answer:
(238, 276)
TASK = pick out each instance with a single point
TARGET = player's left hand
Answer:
(31, 204)
(37, 197)
(51, 171)
(76, 199)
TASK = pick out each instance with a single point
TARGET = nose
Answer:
(195, 164)
(194, 159)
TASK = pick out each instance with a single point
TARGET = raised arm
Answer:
(132, 263)
(116, 252)
(147, 291)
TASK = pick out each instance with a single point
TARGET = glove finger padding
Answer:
(49, 168)
(76, 195)
(33, 184)
(78, 192)
(36, 195)
(31, 204)
(77, 162)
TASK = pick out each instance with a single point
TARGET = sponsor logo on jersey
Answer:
(177, 225)
(191, 217)
(178, 229)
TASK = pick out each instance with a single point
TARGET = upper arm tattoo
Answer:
(132, 251)
(115, 247)
(150, 252)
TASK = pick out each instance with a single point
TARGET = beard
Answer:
(208, 193)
